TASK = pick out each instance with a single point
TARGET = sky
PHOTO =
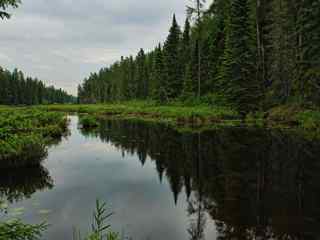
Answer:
(62, 41)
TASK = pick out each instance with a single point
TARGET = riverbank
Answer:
(25, 134)
(285, 116)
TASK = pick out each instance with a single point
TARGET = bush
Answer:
(88, 121)
(25, 133)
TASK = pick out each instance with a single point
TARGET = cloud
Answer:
(62, 41)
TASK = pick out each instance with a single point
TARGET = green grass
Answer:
(174, 113)
(201, 115)
(25, 133)
(295, 116)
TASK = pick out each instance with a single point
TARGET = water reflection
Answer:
(19, 184)
(253, 183)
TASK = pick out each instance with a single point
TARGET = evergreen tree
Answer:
(159, 91)
(309, 46)
(282, 55)
(186, 46)
(16, 90)
(239, 84)
(5, 4)
(142, 79)
(198, 10)
(172, 62)
(239, 50)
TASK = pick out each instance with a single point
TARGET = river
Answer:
(224, 183)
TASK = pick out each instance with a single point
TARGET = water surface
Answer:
(232, 183)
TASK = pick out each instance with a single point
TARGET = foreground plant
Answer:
(100, 227)
(25, 134)
(17, 230)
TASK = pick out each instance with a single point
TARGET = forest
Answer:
(16, 89)
(247, 54)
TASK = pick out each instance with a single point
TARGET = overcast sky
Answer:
(62, 41)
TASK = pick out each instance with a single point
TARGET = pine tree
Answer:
(198, 11)
(5, 4)
(186, 46)
(142, 75)
(159, 91)
(217, 37)
(309, 46)
(282, 52)
(237, 74)
(172, 62)
(188, 85)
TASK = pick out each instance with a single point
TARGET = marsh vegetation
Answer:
(26, 133)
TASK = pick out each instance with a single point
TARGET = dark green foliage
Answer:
(25, 134)
(173, 67)
(88, 121)
(238, 79)
(15, 89)
(142, 78)
(17, 230)
(158, 78)
(4, 4)
(308, 42)
(251, 55)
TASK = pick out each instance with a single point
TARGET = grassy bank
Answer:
(25, 134)
(288, 116)
(173, 114)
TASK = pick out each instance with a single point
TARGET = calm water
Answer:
(232, 183)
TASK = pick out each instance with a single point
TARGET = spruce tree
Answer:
(188, 85)
(282, 52)
(172, 62)
(309, 45)
(141, 75)
(237, 73)
(198, 11)
(186, 45)
(5, 4)
(159, 91)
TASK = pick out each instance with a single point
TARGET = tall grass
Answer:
(100, 228)
(15, 229)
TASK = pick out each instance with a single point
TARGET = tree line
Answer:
(249, 54)
(16, 89)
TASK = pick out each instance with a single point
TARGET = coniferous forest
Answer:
(248, 54)
(16, 89)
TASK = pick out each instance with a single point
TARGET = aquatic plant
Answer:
(17, 230)
(100, 227)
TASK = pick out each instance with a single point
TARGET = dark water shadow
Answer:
(253, 183)
(19, 184)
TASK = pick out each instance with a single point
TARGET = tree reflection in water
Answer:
(19, 184)
(253, 183)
